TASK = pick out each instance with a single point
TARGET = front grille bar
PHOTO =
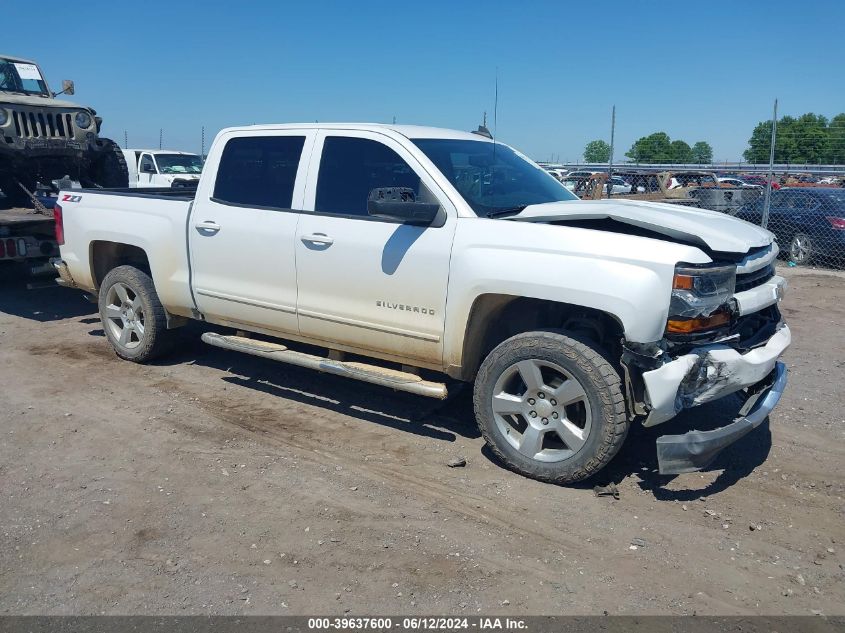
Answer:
(31, 124)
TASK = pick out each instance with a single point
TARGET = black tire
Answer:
(155, 340)
(602, 407)
(109, 170)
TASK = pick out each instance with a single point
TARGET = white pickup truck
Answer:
(418, 256)
(155, 168)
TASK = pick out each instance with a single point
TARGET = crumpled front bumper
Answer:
(706, 374)
(695, 450)
(709, 373)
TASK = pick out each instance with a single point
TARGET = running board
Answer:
(399, 380)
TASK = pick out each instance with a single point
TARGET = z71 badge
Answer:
(69, 198)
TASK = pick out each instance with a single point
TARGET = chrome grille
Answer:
(751, 280)
(42, 124)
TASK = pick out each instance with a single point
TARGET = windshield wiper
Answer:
(501, 213)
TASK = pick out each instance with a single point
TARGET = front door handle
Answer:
(208, 226)
(318, 238)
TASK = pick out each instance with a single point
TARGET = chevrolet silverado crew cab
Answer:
(416, 257)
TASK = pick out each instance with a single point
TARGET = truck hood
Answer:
(710, 229)
(38, 102)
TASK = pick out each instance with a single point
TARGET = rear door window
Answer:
(259, 171)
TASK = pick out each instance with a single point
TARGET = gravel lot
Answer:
(220, 483)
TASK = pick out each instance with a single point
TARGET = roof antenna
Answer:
(482, 129)
(496, 115)
(496, 107)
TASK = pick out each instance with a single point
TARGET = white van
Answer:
(162, 168)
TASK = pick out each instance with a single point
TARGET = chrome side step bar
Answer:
(399, 380)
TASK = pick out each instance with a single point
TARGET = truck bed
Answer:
(154, 193)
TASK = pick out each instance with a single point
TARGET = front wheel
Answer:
(550, 407)
(134, 321)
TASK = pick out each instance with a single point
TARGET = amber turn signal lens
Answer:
(683, 282)
(688, 326)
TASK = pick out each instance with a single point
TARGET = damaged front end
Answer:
(724, 335)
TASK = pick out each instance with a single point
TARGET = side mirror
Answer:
(148, 169)
(400, 203)
(67, 87)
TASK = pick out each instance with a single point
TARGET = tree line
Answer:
(654, 148)
(809, 138)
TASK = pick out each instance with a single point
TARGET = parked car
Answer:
(760, 180)
(570, 318)
(162, 168)
(580, 173)
(809, 222)
(557, 172)
(738, 182)
(617, 185)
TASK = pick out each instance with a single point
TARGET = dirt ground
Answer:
(219, 483)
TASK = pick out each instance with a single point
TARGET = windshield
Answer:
(21, 77)
(492, 177)
(179, 163)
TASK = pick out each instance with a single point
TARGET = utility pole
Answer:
(202, 144)
(160, 135)
(768, 199)
(610, 159)
(125, 139)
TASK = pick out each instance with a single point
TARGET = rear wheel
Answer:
(133, 318)
(550, 407)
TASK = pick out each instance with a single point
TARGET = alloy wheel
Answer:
(124, 316)
(541, 410)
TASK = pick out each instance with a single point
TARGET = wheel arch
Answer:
(494, 318)
(105, 256)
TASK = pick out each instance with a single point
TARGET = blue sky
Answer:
(699, 71)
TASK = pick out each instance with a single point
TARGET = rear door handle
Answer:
(318, 238)
(209, 226)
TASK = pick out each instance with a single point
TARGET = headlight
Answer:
(83, 120)
(4, 117)
(699, 299)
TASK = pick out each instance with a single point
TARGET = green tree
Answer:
(836, 146)
(597, 152)
(702, 153)
(680, 152)
(759, 143)
(810, 138)
(654, 148)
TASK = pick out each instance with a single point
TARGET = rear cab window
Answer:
(258, 171)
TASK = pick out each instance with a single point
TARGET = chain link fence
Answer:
(798, 193)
